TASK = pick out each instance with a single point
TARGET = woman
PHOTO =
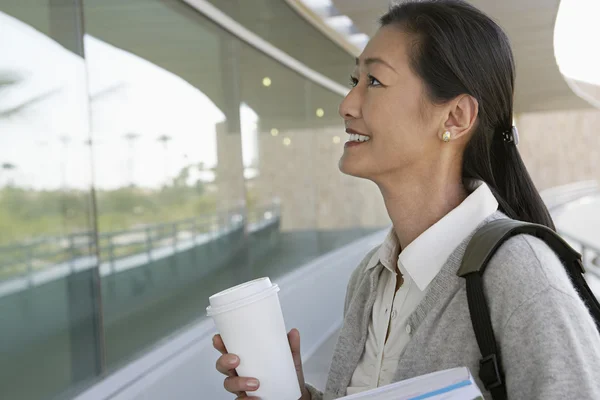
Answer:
(430, 121)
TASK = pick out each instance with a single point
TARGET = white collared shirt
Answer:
(418, 263)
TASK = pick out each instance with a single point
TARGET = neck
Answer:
(416, 201)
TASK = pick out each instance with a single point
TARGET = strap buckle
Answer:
(489, 373)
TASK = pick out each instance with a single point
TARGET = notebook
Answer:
(450, 384)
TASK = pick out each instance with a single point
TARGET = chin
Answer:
(352, 169)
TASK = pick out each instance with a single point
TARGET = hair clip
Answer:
(511, 136)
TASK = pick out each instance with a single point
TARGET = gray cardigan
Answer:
(548, 341)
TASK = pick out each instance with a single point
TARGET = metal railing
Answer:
(590, 253)
(558, 200)
(559, 197)
(24, 259)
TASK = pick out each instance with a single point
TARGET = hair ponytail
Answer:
(504, 171)
(460, 50)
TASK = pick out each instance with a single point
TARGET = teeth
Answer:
(358, 138)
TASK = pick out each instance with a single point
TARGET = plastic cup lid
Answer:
(240, 295)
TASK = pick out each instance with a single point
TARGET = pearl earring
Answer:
(446, 136)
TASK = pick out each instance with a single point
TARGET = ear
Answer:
(461, 116)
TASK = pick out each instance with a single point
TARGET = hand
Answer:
(227, 363)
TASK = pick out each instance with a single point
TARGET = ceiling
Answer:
(530, 26)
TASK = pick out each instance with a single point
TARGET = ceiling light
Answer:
(336, 139)
(287, 141)
(359, 39)
(274, 132)
(320, 112)
(341, 23)
(317, 3)
(266, 81)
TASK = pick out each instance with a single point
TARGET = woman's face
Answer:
(388, 105)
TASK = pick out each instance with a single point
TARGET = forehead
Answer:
(389, 44)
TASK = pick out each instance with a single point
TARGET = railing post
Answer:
(214, 226)
(111, 253)
(175, 233)
(29, 263)
(72, 251)
(194, 231)
(149, 243)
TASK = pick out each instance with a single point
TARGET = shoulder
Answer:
(522, 269)
(528, 263)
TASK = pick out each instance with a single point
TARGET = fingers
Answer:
(294, 339)
(227, 363)
(238, 385)
(218, 344)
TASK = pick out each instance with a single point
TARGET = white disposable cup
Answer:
(250, 321)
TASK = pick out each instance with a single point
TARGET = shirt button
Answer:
(394, 314)
(408, 329)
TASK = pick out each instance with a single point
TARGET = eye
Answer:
(353, 81)
(373, 81)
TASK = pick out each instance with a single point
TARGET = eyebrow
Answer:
(375, 60)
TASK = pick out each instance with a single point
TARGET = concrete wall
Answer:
(314, 193)
(560, 147)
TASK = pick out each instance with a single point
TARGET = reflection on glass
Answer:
(249, 128)
(297, 180)
(168, 167)
(279, 24)
(47, 260)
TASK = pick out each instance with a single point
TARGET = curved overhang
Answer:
(529, 24)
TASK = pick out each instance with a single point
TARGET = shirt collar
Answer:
(426, 255)
(387, 253)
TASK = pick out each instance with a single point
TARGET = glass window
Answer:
(173, 161)
(168, 162)
(50, 338)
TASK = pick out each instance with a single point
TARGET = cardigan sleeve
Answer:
(551, 349)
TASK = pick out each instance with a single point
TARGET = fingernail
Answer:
(252, 383)
(232, 360)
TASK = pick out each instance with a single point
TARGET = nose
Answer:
(351, 106)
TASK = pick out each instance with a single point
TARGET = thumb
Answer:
(294, 339)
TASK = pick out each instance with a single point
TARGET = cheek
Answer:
(399, 131)
(392, 119)
(380, 114)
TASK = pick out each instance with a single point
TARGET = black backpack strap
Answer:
(479, 251)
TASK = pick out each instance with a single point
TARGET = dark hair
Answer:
(457, 49)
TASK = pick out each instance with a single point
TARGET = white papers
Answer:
(450, 384)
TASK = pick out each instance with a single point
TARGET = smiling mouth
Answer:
(355, 137)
